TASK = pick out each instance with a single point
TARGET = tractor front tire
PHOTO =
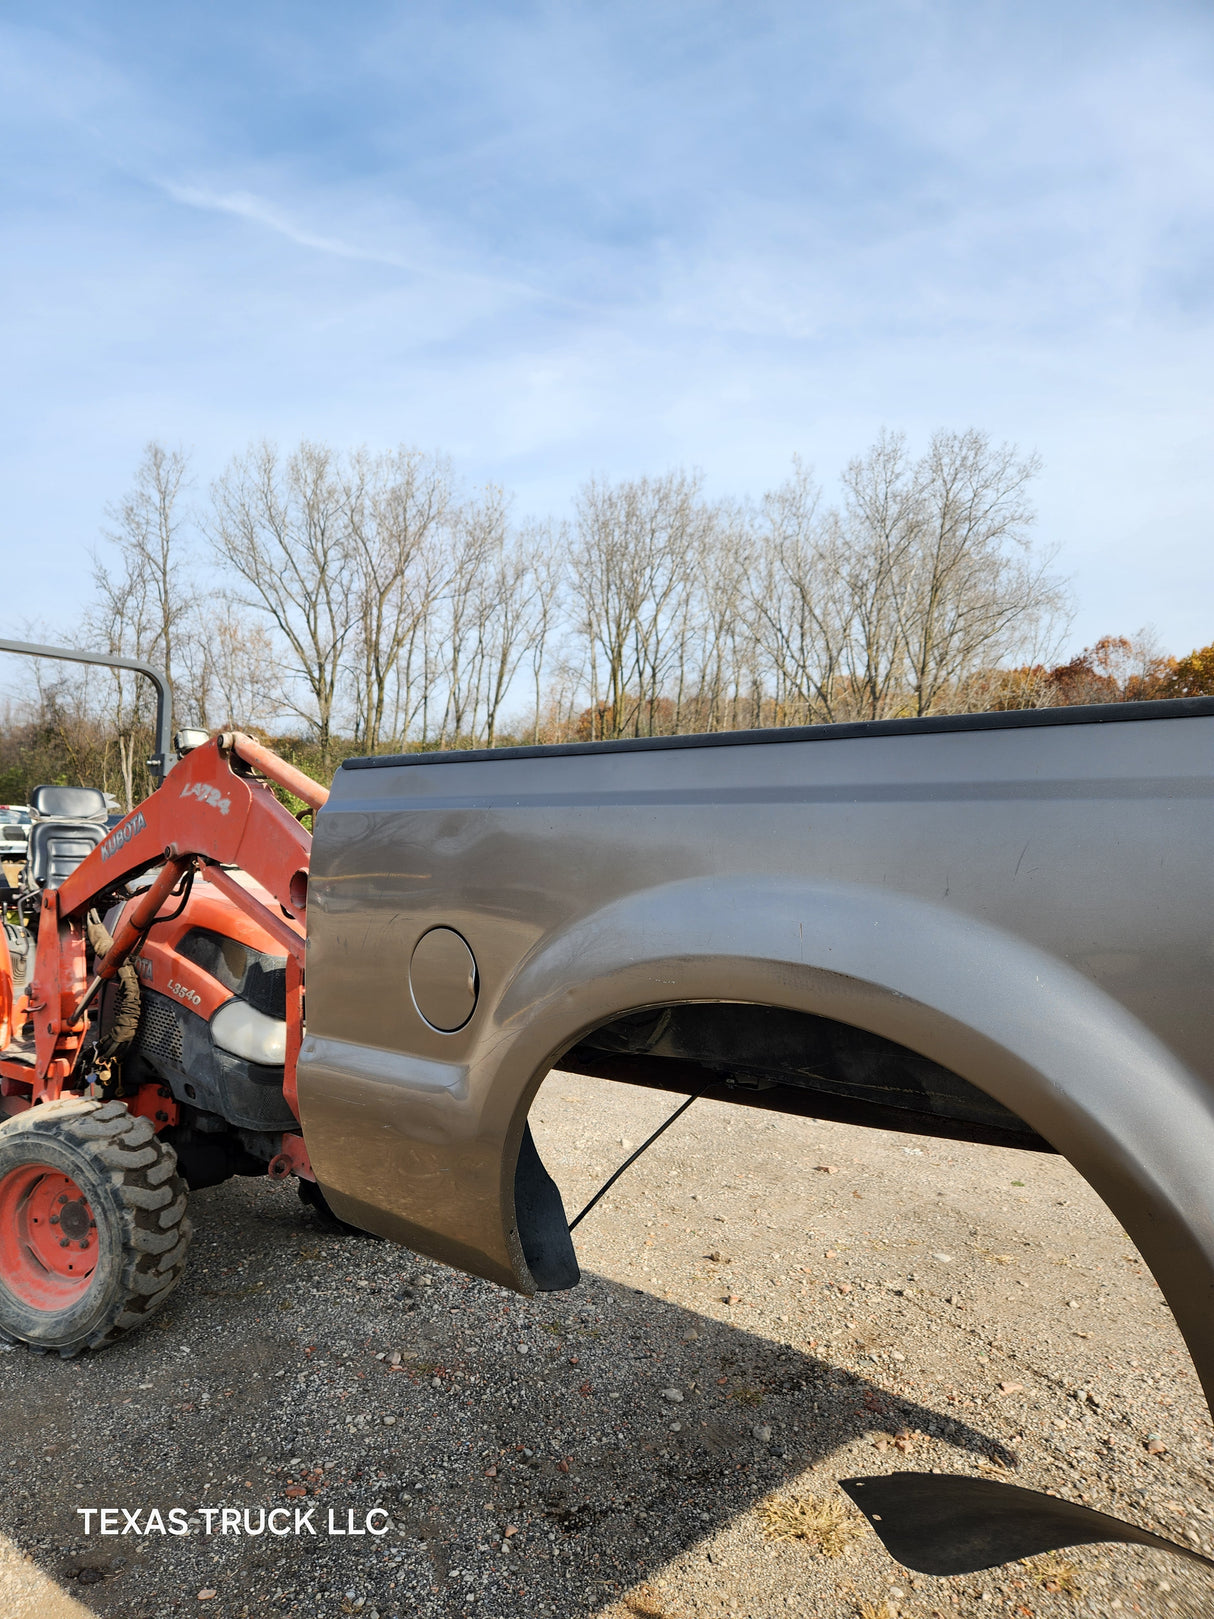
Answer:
(93, 1228)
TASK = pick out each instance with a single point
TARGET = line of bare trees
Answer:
(372, 599)
(358, 599)
(372, 603)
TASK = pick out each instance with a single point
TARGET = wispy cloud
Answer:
(244, 205)
(258, 211)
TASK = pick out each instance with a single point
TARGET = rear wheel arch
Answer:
(1024, 1027)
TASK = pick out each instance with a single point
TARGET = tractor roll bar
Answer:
(162, 760)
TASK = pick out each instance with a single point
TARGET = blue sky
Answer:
(561, 239)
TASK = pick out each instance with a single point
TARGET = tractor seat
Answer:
(68, 824)
(52, 803)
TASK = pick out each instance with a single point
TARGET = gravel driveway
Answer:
(768, 1305)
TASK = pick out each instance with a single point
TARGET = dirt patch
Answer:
(750, 1326)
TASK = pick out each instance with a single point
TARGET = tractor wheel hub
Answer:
(47, 1262)
(75, 1219)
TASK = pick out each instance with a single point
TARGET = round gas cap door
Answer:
(443, 978)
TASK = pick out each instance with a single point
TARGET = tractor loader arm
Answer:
(210, 814)
(219, 813)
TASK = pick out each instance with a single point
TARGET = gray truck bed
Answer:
(992, 926)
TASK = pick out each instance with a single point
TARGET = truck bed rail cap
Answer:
(1172, 708)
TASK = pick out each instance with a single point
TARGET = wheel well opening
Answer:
(796, 1062)
(758, 1056)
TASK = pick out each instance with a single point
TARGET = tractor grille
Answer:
(159, 1034)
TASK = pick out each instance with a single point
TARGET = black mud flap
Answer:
(946, 1523)
(543, 1226)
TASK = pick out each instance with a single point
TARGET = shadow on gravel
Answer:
(263, 1376)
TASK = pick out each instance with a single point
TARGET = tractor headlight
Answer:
(245, 1032)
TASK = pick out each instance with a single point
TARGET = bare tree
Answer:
(907, 597)
(232, 672)
(799, 601)
(475, 563)
(282, 527)
(546, 546)
(122, 620)
(630, 563)
(517, 606)
(399, 508)
(142, 602)
(878, 531)
(147, 533)
(709, 624)
(75, 731)
(962, 586)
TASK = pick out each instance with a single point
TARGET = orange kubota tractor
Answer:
(151, 1003)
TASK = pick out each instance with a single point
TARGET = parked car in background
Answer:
(15, 822)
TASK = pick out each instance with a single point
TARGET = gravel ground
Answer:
(768, 1305)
